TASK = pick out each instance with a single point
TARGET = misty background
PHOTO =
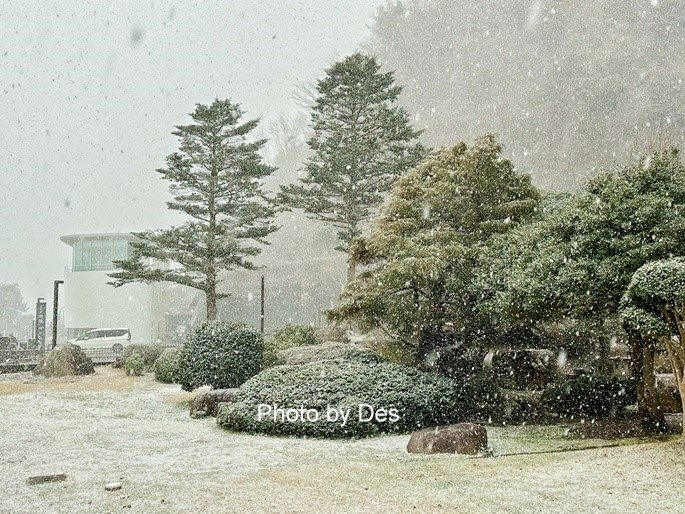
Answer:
(91, 93)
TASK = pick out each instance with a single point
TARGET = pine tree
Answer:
(361, 144)
(421, 254)
(215, 180)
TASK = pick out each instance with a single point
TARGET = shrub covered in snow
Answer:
(220, 354)
(287, 336)
(134, 365)
(166, 367)
(148, 353)
(588, 395)
(65, 360)
(421, 399)
(324, 351)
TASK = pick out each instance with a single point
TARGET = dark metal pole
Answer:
(261, 319)
(55, 302)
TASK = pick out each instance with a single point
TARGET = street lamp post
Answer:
(55, 302)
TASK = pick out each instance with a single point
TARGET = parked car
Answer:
(115, 338)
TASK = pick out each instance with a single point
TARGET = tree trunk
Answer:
(676, 353)
(211, 305)
(351, 269)
(652, 417)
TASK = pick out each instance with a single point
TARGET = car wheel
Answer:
(118, 348)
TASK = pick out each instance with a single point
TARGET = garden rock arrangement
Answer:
(65, 360)
(207, 404)
(463, 438)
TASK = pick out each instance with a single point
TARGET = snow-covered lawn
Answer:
(109, 427)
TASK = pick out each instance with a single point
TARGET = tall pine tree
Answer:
(216, 180)
(361, 144)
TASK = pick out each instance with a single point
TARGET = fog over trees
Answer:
(568, 86)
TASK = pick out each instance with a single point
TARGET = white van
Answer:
(111, 338)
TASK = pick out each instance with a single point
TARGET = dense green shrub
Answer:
(287, 336)
(293, 335)
(324, 351)
(166, 367)
(335, 332)
(587, 395)
(148, 353)
(422, 399)
(134, 365)
(219, 354)
(480, 399)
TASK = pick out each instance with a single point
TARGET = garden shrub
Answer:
(287, 336)
(587, 395)
(335, 333)
(166, 367)
(422, 399)
(219, 354)
(148, 353)
(324, 351)
(134, 365)
(480, 399)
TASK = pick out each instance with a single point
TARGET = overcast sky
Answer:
(91, 92)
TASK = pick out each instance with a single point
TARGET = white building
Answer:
(153, 312)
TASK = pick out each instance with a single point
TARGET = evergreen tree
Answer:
(361, 144)
(421, 253)
(216, 180)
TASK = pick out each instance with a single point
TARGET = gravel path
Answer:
(112, 428)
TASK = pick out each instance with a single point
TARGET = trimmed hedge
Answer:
(587, 395)
(148, 354)
(219, 354)
(166, 367)
(324, 351)
(285, 337)
(421, 399)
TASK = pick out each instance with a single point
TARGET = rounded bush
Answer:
(134, 365)
(147, 352)
(285, 337)
(219, 354)
(324, 351)
(421, 399)
(587, 395)
(166, 367)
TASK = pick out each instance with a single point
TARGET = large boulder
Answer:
(463, 438)
(207, 404)
(65, 360)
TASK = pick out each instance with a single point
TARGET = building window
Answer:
(99, 253)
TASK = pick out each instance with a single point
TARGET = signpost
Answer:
(41, 307)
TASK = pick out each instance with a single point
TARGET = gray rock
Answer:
(44, 479)
(65, 360)
(207, 404)
(463, 438)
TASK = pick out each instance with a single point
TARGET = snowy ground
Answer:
(109, 427)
